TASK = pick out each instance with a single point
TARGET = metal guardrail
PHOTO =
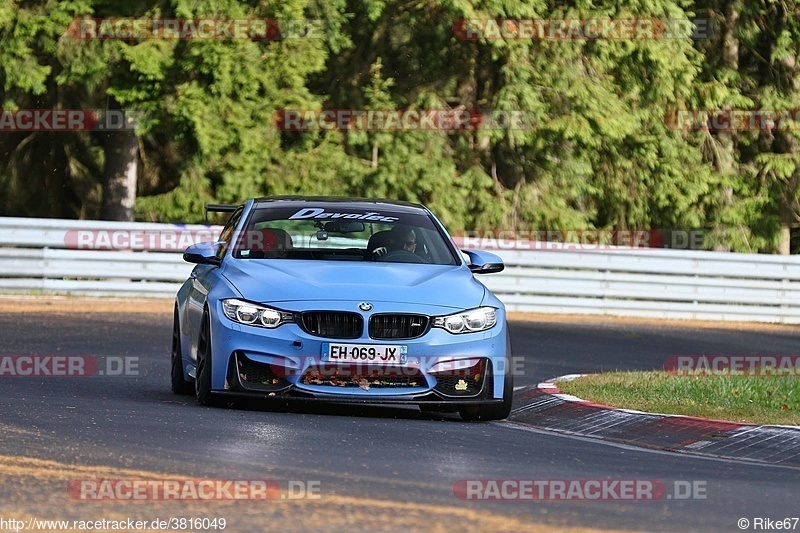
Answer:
(83, 258)
(95, 258)
(652, 283)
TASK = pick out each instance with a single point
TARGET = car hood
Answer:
(284, 280)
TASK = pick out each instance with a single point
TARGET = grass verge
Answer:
(753, 399)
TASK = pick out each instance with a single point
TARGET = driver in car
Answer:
(402, 238)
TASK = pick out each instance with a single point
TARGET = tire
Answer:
(179, 384)
(498, 411)
(202, 381)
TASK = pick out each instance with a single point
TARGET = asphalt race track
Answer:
(388, 469)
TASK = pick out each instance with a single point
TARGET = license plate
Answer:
(364, 353)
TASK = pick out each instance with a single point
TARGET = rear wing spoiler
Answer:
(220, 208)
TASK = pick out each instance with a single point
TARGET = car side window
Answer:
(226, 237)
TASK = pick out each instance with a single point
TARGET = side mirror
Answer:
(203, 253)
(483, 262)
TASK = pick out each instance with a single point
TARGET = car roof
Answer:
(342, 202)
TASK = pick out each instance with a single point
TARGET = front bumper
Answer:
(288, 363)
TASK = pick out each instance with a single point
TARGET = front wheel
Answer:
(202, 381)
(496, 411)
(179, 384)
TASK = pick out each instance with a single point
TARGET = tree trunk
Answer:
(726, 143)
(119, 185)
(784, 245)
(730, 44)
(788, 202)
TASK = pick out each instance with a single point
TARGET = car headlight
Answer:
(255, 315)
(470, 321)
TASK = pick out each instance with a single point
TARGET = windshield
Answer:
(343, 233)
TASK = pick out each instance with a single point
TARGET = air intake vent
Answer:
(398, 326)
(332, 324)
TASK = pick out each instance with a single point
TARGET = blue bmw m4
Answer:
(341, 300)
